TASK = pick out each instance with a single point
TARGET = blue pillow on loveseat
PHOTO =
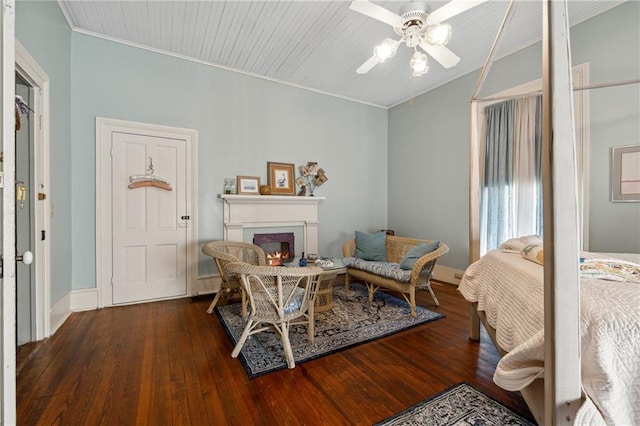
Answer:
(416, 252)
(371, 246)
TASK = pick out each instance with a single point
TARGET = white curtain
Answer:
(511, 204)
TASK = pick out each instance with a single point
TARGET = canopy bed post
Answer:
(475, 190)
(475, 166)
(475, 193)
(561, 251)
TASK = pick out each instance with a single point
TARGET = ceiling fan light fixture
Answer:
(385, 50)
(417, 26)
(418, 64)
(438, 34)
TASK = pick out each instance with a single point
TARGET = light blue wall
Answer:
(243, 122)
(615, 119)
(428, 168)
(43, 31)
(429, 141)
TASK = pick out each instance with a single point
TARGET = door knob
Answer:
(26, 257)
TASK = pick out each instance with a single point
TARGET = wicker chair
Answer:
(278, 295)
(225, 252)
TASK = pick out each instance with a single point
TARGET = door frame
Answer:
(29, 69)
(104, 262)
(8, 282)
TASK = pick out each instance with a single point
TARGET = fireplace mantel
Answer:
(267, 211)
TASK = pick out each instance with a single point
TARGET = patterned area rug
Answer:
(352, 321)
(461, 404)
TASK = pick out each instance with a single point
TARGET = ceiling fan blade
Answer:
(370, 63)
(453, 8)
(447, 58)
(376, 12)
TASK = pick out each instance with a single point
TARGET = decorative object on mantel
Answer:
(303, 187)
(229, 186)
(280, 178)
(248, 185)
(265, 190)
(311, 178)
(148, 179)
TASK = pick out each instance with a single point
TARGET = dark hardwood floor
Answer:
(167, 363)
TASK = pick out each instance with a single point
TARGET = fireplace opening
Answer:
(279, 247)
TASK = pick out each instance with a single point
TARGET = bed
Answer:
(506, 292)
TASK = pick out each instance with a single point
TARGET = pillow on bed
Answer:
(371, 246)
(417, 252)
(516, 245)
(534, 253)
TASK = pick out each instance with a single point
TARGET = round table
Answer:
(324, 292)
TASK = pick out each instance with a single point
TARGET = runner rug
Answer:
(461, 404)
(352, 321)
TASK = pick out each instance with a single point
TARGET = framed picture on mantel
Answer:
(280, 178)
(248, 185)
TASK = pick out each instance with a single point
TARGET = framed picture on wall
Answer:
(625, 173)
(248, 185)
(280, 178)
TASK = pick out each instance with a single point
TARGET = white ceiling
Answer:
(317, 45)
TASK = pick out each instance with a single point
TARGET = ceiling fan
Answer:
(417, 26)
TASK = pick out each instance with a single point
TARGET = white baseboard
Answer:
(85, 299)
(59, 313)
(447, 274)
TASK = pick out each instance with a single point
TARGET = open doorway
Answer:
(32, 200)
(25, 218)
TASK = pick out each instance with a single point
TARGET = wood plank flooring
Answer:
(169, 363)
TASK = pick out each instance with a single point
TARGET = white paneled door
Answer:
(149, 223)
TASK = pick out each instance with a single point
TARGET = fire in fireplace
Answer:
(279, 247)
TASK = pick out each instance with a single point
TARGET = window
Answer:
(511, 199)
(479, 238)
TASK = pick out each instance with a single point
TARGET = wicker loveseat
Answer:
(388, 274)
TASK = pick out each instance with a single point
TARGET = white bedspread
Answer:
(509, 289)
